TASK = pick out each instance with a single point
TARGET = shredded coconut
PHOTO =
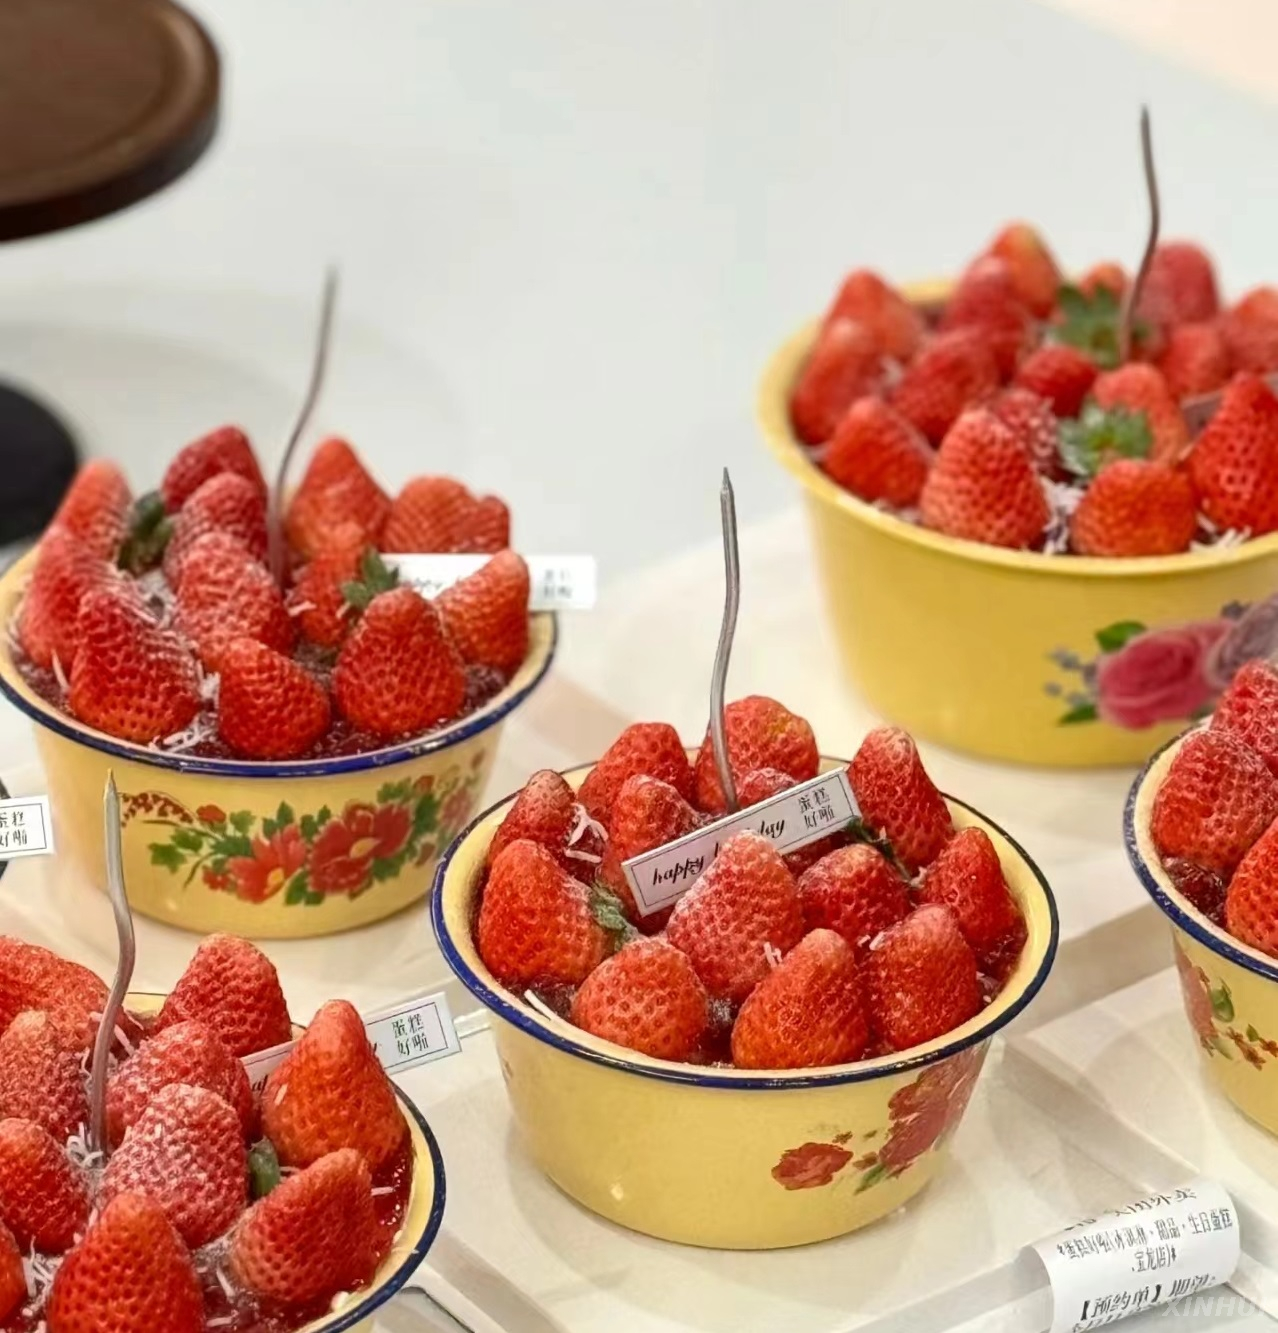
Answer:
(201, 729)
(39, 1271)
(80, 1153)
(585, 823)
(537, 1003)
(221, 1321)
(300, 608)
(123, 1039)
(1062, 499)
(583, 856)
(225, 1283)
(383, 1189)
(279, 1093)
(59, 675)
(772, 954)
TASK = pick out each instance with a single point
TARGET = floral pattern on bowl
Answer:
(1210, 1009)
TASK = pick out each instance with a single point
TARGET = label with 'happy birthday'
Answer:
(558, 582)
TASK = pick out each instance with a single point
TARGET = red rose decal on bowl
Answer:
(810, 1165)
(275, 860)
(1158, 676)
(344, 851)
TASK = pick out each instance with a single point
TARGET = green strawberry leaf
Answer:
(242, 821)
(1222, 1003)
(859, 831)
(166, 855)
(1115, 636)
(264, 1168)
(1092, 324)
(190, 840)
(147, 532)
(1080, 713)
(606, 908)
(1101, 435)
(375, 577)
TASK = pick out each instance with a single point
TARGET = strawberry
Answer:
(44, 1200)
(1032, 421)
(13, 1278)
(968, 879)
(312, 1236)
(189, 1053)
(878, 455)
(1061, 374)
(1141, 388)
(538, 925)
(335, 489)
(893, 324)
(986, 298)
(761, 733)
(854, 891)
(1234, 462)
(544, 812)
(983, 487)
(71, 996)
(1251, 905)
(232, 987)
(1250, 329)
(225, 594)
(1135, 507)
(1216, 799)
(96, 507)
(1106, 275)
(226, 503)
(129, 677)
(650, 748)
(1180, 287)
(647, 814)
(1034, 271)
(922, 979)
(486, 613)
(65, 570)
(318, 598)
(397, 673)
(268, 706)
(1194, 359)
(130, 1274)
(40, 1077)
(953, 371)
(808, 1011)
(897, 798)
(226, 449)
(186, 1153)
(844, 364)
(646, 997)
(434, 514)
(743, 905)
(1204, 888)
(331, 1092)
(1248, 710)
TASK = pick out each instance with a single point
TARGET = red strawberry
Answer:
(44, 1200)
(226, 503)
(225, 449)
(335, 489)
(1141, 388)
(1194, 359)
(130, 678)
(1234, 462)
(1180, 287)
(853, 890)
(1034, 271)
(130, 1274)
(983, 486)
(314, 1235)
(646, 997)
(13, 1279)
(96, 507)
(844, 364)
(650, 748)
(65, 570)
(1061, 374)
(986, 298)
(968, 879)
(897, 798)
(1204, 888)
(331, 1092)
(761, 733)
(398, 674)
(1032, 421)
(37, 979)
(486, 613)
(893, 324)
(189, 1053)
(40, 1077)
(318, 598)
(225, 594)
(1216, 799)
(1135, 507)
(185, 1152)
(538, 925)
(1251, 905)
(878, 455)
(232, 987)
(744, 905)
(438, 514)
(647, 814)
(1107, 274)
(268, 706)
(953, 371)
(1248, 710)
(1250, 329)
(544, 812)
(807, 1012)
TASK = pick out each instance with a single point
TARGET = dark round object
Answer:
(102, 103)
(38, 458)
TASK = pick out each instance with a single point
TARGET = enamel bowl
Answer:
(268, 850)
(725, 1158)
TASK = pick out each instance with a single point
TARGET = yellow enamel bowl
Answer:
(728, 1158)
(1016, 655)
(1230, 990)
(268, 850)
(422, 1217)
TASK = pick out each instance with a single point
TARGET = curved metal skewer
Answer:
(731, 602)
(1155, 221)
(123, 968)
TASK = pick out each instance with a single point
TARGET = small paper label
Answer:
(1157, 1250)
(26, 828)
(793, 818)
(559, 582)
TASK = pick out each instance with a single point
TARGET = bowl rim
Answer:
(1173, 904)
(691, 1075)
(773, 420)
